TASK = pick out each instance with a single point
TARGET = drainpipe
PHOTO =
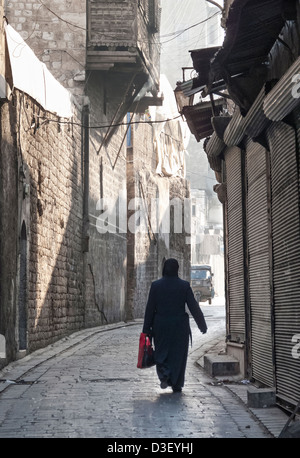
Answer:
(86, 170)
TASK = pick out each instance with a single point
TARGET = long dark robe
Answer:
(167, 321)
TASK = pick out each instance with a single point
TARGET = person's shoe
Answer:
(164, 384)
(176, 390)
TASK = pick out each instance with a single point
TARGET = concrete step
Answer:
(261, 397)
(220, 365)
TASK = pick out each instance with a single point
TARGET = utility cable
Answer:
(45, 120)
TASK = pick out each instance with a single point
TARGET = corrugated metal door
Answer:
(258, 230)
(235, 247)
(286, 259)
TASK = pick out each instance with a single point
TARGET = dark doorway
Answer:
(23, 290)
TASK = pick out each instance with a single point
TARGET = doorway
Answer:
(22, 308)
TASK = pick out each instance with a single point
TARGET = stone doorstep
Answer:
(258, 398)
(221, 365)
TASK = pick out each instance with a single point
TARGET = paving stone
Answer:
(92, 388)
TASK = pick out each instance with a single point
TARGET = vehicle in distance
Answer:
(201, 283)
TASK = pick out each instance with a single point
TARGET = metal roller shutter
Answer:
(235, 260)
(286, 260)
(259, 264)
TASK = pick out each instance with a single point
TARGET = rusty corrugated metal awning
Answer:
(191, 87)
(201, 62)
(252, 28)
(199, 117)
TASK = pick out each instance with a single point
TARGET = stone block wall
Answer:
(112, 23)
(70, 284)
(65, 273)
(8, 232)
(56, 31)
(46, 205)
(155, 244)
(105, 260)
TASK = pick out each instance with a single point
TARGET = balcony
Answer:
(123, 37)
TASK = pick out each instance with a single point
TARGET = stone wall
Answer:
(8, 230)
(63, 275)
(113, 23)
(155, 242)
(120, 263)
(67, 271)
(105, 259)
(56, 31)
(42, 234)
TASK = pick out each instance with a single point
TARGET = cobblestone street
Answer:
(142, 141)
(87, 385)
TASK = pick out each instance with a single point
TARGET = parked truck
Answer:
(201, 283)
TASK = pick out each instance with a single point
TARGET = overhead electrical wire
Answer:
(175, 33)
(106, 126)
(178, 33)
(60, 18)
(45, 120)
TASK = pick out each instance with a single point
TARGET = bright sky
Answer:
(187, 25)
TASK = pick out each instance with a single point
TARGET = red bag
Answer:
(146, 352)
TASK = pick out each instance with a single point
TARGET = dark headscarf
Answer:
(170, 268)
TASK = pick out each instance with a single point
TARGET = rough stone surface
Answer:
(41, 195)
(221, 365)
(88, 386)
(261, 397)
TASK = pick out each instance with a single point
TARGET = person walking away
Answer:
(167, 321)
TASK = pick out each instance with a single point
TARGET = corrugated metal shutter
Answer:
(259, 264)
(235, 261)
(286, 259)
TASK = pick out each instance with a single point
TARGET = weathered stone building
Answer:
(64, 174)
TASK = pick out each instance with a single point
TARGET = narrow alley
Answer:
(88, 386)
(132, 133)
